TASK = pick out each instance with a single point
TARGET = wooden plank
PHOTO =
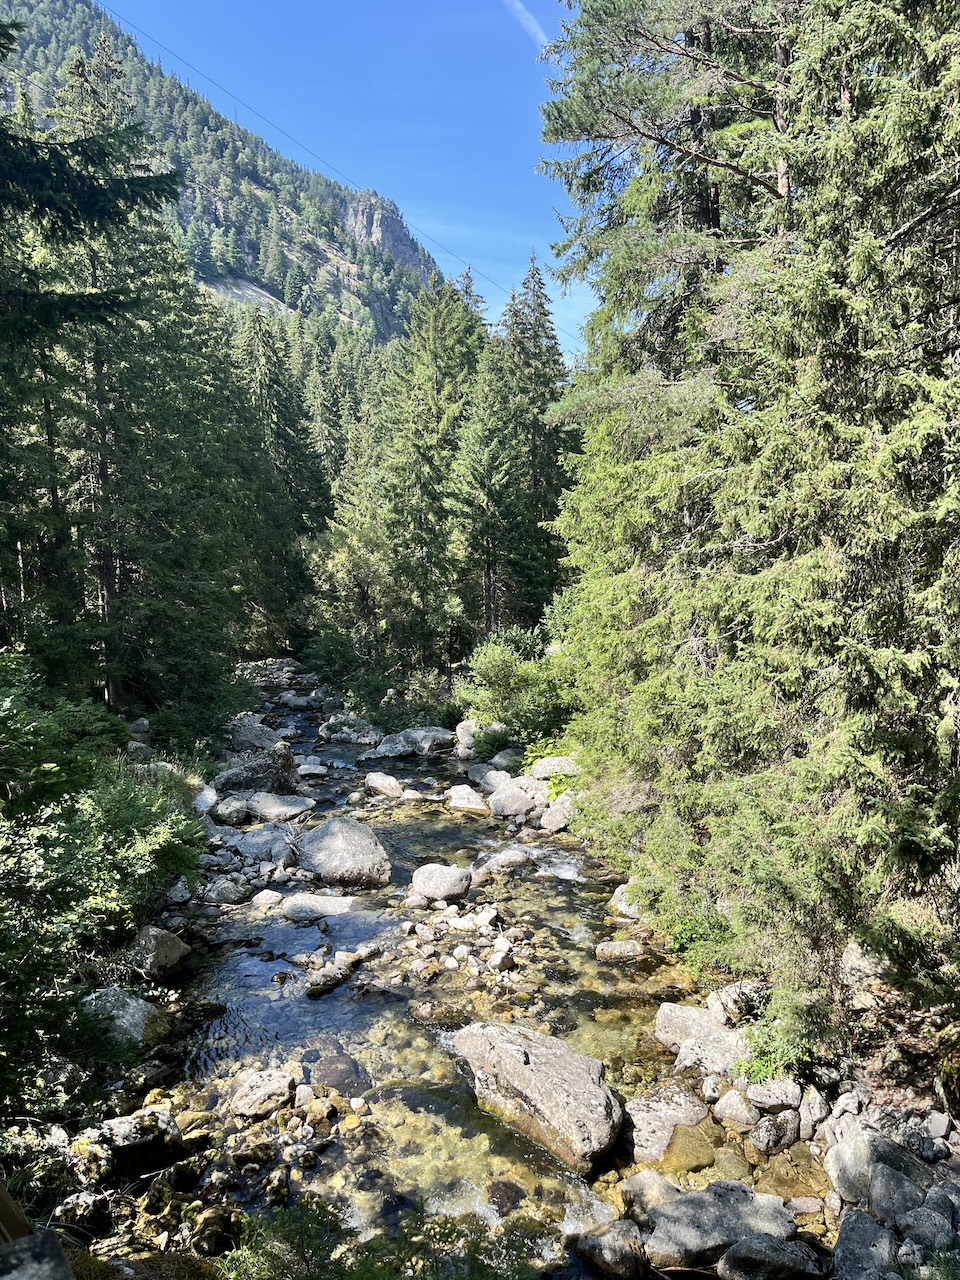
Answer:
(13, 1225)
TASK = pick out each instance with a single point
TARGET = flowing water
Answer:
(405, 1130)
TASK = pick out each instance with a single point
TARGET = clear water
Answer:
(425, 1142)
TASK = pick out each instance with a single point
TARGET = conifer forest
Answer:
(497, 805)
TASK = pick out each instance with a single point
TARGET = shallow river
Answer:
(418, 1139)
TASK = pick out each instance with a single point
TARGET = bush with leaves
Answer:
(78, 876)
(533, 697)
(48, 744)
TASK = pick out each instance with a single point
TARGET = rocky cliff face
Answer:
(370, 219)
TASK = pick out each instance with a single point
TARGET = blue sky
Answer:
(434, 103)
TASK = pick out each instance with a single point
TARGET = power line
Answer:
(310, 152)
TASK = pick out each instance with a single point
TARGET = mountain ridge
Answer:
(247, 213)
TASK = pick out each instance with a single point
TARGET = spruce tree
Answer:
(762, 519)
(491, 522)
(425, 402)
(533, 374)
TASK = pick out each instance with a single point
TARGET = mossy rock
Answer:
(793, 1174)
(159, 1266)
(692, 1147)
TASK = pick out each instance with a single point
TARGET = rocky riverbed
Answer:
(401, 983)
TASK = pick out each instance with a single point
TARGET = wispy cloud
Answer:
(529, 23)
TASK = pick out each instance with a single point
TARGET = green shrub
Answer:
(532, 697)
(48, 745)
(332, 655)
(526, 644)
(796, 1030)
(78, 876)
(490, 742)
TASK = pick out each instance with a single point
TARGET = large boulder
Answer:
(308, 908)
(699, 1039)
(622, 903)
(266, 807)
(248, 734)
(864, 1250)
(616, 1249)
(128, 1017)
(643, 1192)
(493, 780)
(655, 1115)
(125, 1148)
(761, 1257)
(555, 766)
(868, 1166)
(38, 1256)
(273, 842)
(412, 742)
(343, 851)
(511, 801)
(775, 1133)
(155, 951)
(544, 1088)
(274, 771)
(382, 784)
(558, 815)
(437, 882)
(463, 799)
(259, 1093)
(695, 1230)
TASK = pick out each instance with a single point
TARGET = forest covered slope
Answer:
(246, 213)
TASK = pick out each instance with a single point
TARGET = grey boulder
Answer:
(613, 949)
(643, 1192)
(697, 1229)
(412, 742)
(762, 1257)
(558, 815)
(622, 903)
(308, 908)
(343, 851)
(511, 801)
(699, 1039)
(616, 1249)
(248, 734)
(382, 784)
(775, 1133)
(265, 807)
(868, 1166)
(864, 1250)
(274, 771)
(552, 766)
(259, 1093)
(544, 1088)
(464, 799)
(437, 882)
(656, 1114)
(127, 1015)
(127, 1146)
(155, 951)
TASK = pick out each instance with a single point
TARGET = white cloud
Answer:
(529, 23)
